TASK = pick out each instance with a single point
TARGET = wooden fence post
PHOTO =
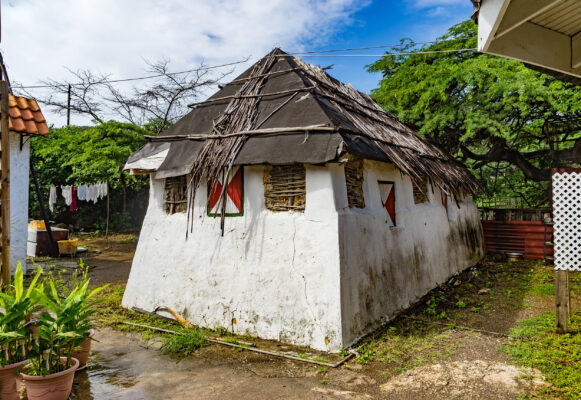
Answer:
(562, 299)
(5, 182)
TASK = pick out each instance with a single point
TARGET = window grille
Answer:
(354, 181)
(175, 194)
(285, 188)
(420, 192)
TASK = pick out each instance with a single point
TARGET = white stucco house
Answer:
(25, 120)
(336, 218)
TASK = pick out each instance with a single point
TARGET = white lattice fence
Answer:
(567, 220)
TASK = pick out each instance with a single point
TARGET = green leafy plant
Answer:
(64, 325)
(460, 304)
(17, 306)
(186, 343)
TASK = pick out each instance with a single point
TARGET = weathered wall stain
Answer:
(384, 270)
(321, 278)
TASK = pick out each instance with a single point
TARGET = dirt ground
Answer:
(464, 364)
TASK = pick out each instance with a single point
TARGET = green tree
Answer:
(75, 155)
(508, 123)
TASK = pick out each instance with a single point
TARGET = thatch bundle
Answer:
(264, 104)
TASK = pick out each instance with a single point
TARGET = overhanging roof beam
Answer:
(489, 17)
(536, 45)
(521, 11)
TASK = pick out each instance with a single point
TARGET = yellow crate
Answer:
(35, 224)
(68, 246)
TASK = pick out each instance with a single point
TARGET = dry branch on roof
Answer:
(335, 109)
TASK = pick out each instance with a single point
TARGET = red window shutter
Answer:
(234, 194)
(387, 191)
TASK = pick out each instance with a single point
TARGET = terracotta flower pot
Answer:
(51, 387)
(83, 353)
(9, 380)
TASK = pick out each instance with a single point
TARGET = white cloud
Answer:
(40, 38)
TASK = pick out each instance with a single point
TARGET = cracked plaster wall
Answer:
(331, 272)
(276, 274)
(384, 270)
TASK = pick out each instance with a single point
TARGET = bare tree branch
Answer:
(162, 99)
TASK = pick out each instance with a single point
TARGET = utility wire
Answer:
(305, 54)
(135, 79)
(377, 55)
(383, 46)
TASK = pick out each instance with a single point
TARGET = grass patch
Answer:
(401, 349)
(558, 357)
(185, 344)
(110, 313)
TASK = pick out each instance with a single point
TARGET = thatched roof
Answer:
(283, 110)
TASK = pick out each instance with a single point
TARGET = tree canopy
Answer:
(508, 123)
(75, 155)
(78, 155)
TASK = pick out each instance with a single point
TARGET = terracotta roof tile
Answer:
(25, 116)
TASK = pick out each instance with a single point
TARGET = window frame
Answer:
(217, 215)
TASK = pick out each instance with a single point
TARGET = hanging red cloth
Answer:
(74, 200)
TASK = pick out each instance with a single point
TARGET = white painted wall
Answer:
(383, 269)
(277, 274)
(331, 272)
(19, 168)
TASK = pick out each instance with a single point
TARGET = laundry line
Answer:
(72, 194)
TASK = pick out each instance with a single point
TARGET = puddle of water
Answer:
(101, 381)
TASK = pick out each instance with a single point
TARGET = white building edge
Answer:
(25, 120)
(322, 276)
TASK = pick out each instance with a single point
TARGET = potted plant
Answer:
(64, 326)
(16, 306)
(85, 297)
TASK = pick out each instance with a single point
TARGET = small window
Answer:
(234, 206)
(285, 188)
(387, 193)
(175, 194)
(420, 192)
(354, 181)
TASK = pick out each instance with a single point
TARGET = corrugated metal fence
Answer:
(526, 237)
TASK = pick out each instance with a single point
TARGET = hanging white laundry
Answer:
(52, 198)
(82, 192)
(95, 193)
(98, 190)
(103, 190)
(67, 192)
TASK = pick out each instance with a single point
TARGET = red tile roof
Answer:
(25, 116)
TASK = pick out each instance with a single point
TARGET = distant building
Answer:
(25, 120)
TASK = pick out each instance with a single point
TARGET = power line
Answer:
(383, 46)
(304, 54)
(377, 55)
(134, 79)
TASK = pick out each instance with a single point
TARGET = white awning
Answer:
(545, 33)
(146, 164)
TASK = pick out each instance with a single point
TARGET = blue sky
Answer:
(117, 37)
(386, 22)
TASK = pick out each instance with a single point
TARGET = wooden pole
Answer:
(562, 299)
(5, 183)
(54, 251)
(69, 107)
(108, 212)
